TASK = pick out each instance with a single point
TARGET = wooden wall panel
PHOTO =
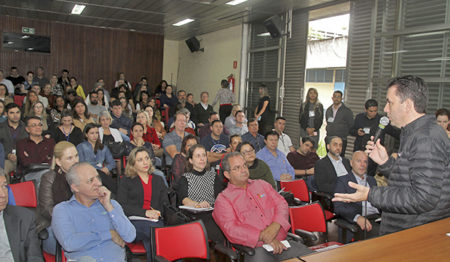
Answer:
(88, 53)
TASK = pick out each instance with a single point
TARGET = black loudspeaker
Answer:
(274, 26)
(193, 44)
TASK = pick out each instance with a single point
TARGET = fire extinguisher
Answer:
(230, 79)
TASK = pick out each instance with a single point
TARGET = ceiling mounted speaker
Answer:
(274, 26)
(194, 44)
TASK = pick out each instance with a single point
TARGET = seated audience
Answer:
(5, 95)
(172, 141)
(120, 120)
(81, 116)
(190, 104)
(150, 134)
(190, 125)
(155, 106)
(67, 131)
(99, 156)
(2, 157)
(29, 81)
(137, 130)
(37, 90)
(258, 168)
(54, 190)
(90, 226)
(103, 96)
(354, 212)
(252, 136)
(29, 100)
(47, 93)
(168, 100)
(235, 140)
(216, 143)
(268, 223)
(15, 78)
(202, 111)
(64, 80)
(161, 88)
(230, 121)
(3, 117)
(179, 161)
(19, 238)
(365, 126)
(442, 117)
(142, 194)
(155, 123)
(106, 132)
(40, 76)
(127, 108)
(58, 107)
(57, 88)
(329, 168)
(275, 159)
(199, 187)
(205, 130)
(38, 110)
(239, 128)
(142, 100)
(303, 159)
(11, 131)
(94, 107)
(35, 149)
(77, 88)
(284, 142)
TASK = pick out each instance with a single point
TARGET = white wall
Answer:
(202, 71)
(170, 61)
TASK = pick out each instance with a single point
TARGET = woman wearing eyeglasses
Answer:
(258, 169)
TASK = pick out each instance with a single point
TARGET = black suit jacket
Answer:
(349, 210)
(23, 240)
(130, 195)
(325, 175)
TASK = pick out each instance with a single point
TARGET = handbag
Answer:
(117, 149)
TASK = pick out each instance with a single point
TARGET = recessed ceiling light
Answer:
(25, 37)
(133, 30)
(10, 42)
(183, 22)
(30, 49)
(236, 2)
(78, 9)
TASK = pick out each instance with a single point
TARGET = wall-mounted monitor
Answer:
(25, 42)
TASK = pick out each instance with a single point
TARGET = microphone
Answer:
(384, 121)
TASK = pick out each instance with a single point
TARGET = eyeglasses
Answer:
(248, 152)
(35, 125)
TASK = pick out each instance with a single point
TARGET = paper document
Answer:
(196, 209)
(269, 248)
(142, 218)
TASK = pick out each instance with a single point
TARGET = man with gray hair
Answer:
(267, 223)
(90, 226)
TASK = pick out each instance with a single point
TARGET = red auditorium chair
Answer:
(310, 218)
(298, 188)
(24, 194)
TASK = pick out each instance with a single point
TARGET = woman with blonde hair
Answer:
(54, 189)
(31, 98)
(311, 116)
(143, 194)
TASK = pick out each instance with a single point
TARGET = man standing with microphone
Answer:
(418, 190)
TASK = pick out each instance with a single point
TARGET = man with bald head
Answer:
(361, 213)
(90, 225)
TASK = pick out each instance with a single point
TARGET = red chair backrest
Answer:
(24, 194)
(19, 100)
(181, 241)
(298, 188)
(309, 217)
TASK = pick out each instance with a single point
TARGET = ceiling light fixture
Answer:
(25, 37)
(78, 9)
(264, 34)
(236, 2)
(183, 22)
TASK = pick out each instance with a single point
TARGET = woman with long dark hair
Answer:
(78, 88)
(99, 156)
(66, 131)
(311, 116)
(81, 116)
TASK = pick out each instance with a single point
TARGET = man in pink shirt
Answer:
(252, 213)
